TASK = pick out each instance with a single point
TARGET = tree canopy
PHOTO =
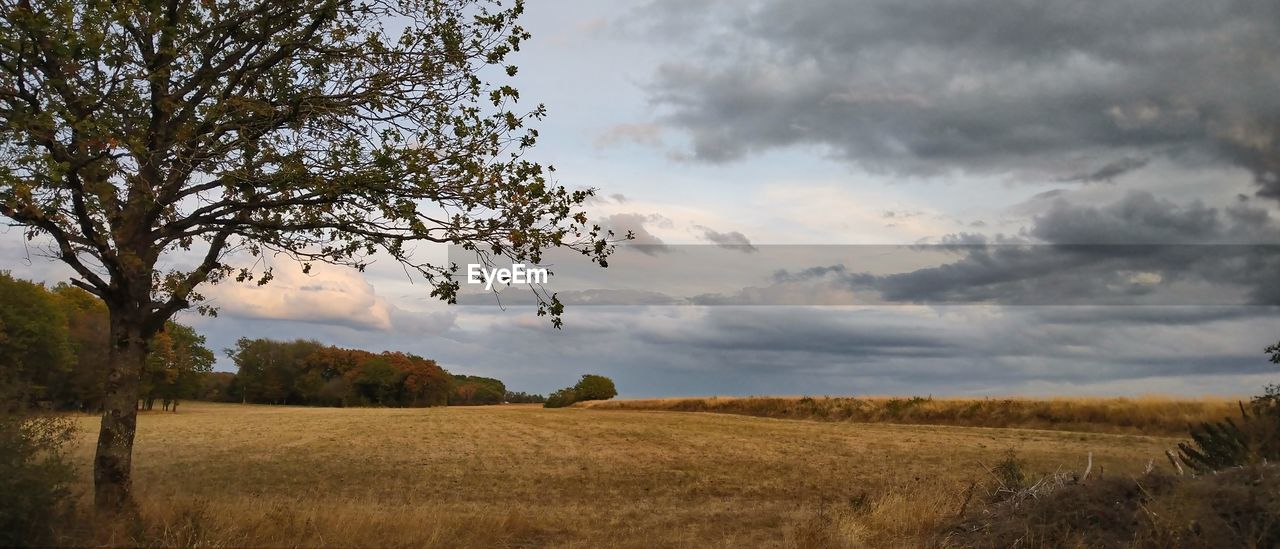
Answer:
(328, 130)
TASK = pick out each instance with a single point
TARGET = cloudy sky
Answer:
(1094, 185)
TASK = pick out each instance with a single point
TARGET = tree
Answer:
(561, 398)
(306, 372)
(594, 387)
(472, 390)
(425, 383)
(87, 329)
(217, 133)
(589, 387)
(34, 349)
(175, 366)
(217, 387)
(275, 372)
(53, 350)
(521, 397)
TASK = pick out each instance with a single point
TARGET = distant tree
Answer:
(253, 359)
(158, 370)
(378, 381)
(323, 130)
(309, 373)
(35, 351)
(561, 398)
(594, 387)
(87, 331)
(1274, 351)
(473, 390)
(55, 344)
(589, 387)
(217, 387)
(521, 397)
(423, 382)
(175, 366)
(335, 392)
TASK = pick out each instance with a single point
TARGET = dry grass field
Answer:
(523, 476)
(1140, 415)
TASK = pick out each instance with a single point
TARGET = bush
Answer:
(590, 387)
(1237, 508)
(594, 387)
(35, 476)
(1223, 444)
(1009, 476)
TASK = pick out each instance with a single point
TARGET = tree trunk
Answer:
(112, 466)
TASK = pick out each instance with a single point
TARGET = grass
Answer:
(1144, 415)
(221, 475)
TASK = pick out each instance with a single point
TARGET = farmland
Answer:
(1141, 415)
(234, 475)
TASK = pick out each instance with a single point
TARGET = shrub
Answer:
(594, 387)
(1237, 508)
(1222, 444)
(1009, 476)
(35, 476)
(590, 387)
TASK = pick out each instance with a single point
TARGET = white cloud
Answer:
(328, 294)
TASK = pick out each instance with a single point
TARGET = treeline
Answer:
(54, 349)
(309, 373)
(520, 397)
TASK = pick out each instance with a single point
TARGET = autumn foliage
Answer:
(53, 350)
(473, 390)
(310, 373)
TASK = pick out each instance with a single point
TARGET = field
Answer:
(517, 476)
(1141, 415)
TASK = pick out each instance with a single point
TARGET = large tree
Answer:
(160, 145)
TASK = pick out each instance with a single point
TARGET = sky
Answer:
(786, 144)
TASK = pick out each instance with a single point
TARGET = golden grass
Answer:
(224, 475)
(1143, 415)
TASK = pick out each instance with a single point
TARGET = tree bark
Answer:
(112, 465)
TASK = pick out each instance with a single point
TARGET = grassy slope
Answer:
(1147, 415)
(224, 474)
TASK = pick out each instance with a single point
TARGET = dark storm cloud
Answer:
(1137, 250)
(796, 350)
(1059, 90)
(792, 329)
(1138, 218)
